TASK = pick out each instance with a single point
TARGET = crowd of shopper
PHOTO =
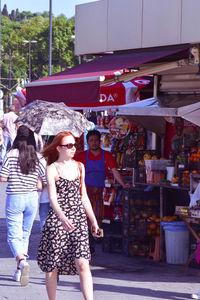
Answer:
(64, 206)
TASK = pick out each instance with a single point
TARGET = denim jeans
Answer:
(20, 214)
(43, 212)
(6, 141)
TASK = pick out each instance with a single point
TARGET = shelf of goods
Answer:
(141, 223)
(124, 149)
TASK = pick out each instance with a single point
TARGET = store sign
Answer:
(107, 98)
(119, 127)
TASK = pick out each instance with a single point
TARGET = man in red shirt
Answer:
(97, 162)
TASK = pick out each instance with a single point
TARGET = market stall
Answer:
(81, 84)
(156, 179)
(171, 177)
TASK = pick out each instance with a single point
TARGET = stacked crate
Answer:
(140, 220)
(112, 240)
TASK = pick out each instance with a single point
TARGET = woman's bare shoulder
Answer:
(52, 173)
(51, 168)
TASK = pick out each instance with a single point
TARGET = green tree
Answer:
(5, 11)
(17, 14)
(63, 44)
(12, 15)
(26, 26)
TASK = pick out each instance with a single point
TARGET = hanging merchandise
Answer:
(179, 125)
(109, 195)
(107, 121)
(117, 210)
(119, 127)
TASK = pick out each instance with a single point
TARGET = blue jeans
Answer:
(21, 210)
(43, 212)
(6, 141)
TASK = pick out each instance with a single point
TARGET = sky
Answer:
(66, 7)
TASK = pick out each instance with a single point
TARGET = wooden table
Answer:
(187, 220)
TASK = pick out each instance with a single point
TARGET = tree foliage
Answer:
(19, 26)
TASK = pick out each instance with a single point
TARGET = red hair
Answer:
(50, 152)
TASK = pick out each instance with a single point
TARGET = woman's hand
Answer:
(67, 225)
(127, 186)
(95, 229)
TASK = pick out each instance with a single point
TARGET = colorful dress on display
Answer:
(59, 248)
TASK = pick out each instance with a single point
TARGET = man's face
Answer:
(93, 142)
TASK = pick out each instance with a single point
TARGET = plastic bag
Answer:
(195, 196)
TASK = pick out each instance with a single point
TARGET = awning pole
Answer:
(155, 92)
(155, 86)
(50, 36)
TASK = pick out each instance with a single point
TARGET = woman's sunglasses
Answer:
(69, 146)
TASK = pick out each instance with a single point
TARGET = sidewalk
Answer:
(115, 276)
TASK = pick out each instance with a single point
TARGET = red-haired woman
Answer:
(64, 245)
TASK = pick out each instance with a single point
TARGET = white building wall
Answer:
(190, 32)
(124, 24)
(161, 22)
(111, 25)
(91, 27)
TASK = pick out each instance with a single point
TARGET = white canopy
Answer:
(148, 107)
(190, 113)
(149, 114)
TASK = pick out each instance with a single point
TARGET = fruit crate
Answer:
(138, 246)
(140, 209)
(141, 227)
(110, 227)
(131, 160)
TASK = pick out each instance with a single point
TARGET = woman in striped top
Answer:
(22, 168)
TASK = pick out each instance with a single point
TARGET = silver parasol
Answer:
(49, 118)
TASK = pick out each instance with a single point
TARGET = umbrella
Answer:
(50, 118)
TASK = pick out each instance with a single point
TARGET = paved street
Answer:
(115, 275)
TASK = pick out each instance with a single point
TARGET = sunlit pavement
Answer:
(115, 276)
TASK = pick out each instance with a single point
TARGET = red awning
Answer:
(81, 84)
(117, 94)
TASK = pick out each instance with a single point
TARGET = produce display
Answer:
(141, 220)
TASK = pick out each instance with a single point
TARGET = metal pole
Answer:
(29, 59)
(9, 72)
(155, 93)
(0, 41)
(9, 75)
(50, 35)
(29, 56)
(1, 92)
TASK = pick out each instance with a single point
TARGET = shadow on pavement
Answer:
(113, 266)
(119, 289)
(5, 251)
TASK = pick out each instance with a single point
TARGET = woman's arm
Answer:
(40, 143)
(51, 175)
(87, 205)
(3, 179)
(39, 184)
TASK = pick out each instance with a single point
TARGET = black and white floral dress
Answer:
(59, 248)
